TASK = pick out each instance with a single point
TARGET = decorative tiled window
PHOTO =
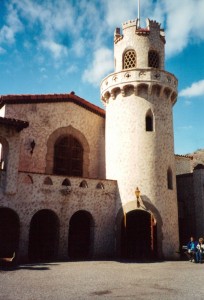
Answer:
(153, 59)
(129, 59)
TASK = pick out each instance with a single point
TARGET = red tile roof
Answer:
(48, 98)
(18, 124)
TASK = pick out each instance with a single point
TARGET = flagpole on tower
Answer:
(138, 17)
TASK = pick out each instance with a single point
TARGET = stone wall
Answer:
(183, 164)
(47, 118)
(33, 195)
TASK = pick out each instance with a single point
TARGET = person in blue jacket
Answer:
(191, 249)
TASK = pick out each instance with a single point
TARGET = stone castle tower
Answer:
(139, 96)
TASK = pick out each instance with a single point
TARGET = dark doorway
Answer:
(44, 236)
(9, 232)
(138, 236)
(80, 235)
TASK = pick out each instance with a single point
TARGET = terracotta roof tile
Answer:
(48, 98)
(18, 124)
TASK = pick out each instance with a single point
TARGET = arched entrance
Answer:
(138, 235)
(9, 232)
(43, 236)
(80, 235)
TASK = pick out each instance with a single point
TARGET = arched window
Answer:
(48, 181)
(4, 149)
(68, 156)
(153, 59)
(83, 184)
(149, 123)
(129, 59)
(169, 179)
(66, 182)
(100, 186)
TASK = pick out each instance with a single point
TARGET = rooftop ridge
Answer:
(43, 98)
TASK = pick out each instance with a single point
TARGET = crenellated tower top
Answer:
(139, 55)
(151, 26)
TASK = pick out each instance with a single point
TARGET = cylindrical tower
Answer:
(139, 97)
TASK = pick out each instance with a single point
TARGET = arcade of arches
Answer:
(44, 235)
(138, 235)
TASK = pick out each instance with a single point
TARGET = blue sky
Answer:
(52, 46)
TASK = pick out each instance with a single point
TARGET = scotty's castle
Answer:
(79, 182)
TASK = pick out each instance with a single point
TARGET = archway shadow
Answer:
(31, 267)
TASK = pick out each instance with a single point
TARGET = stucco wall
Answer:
(45, 119)
(183, 164)
(33, 195)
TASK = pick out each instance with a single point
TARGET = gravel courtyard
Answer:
(103, 280)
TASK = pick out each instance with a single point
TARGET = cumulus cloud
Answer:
(196, 89)
(183, 24)
(56, 49)
(69, 27)
(2, 50)
(102, 64)
(12, 26)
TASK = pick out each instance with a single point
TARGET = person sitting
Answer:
(200, 250)
(191, 249)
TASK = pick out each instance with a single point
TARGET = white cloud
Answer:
(2, 50)
(13, 25)
(102, 64)
(196, 89)
(71, 69)
(56, 49)
(187, 127)
(184, 22)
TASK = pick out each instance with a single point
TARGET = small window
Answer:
(129, 59)
(100, 186)
(153, 59)
(83, 184)
(48, 181)
(66, 182)
(169, 179)
(149, 121)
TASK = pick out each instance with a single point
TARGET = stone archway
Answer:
(138, 235)
(9, 232)
(80, 240)
(43, 236)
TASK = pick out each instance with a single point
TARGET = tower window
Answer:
(169, 179)
(153, 59)
(68, 157)
(129, 59)
(149, 121)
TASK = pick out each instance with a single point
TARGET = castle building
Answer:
(79, 182)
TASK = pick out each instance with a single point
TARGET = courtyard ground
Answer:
(103, 280)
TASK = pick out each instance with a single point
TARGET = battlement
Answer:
(130, 23)
(151, 24)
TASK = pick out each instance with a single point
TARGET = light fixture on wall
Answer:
(137, 194)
